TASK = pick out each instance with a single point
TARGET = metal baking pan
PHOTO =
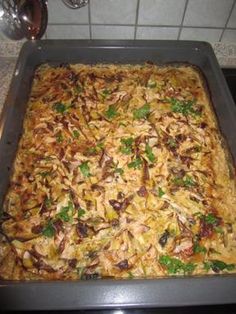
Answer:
(105, 293)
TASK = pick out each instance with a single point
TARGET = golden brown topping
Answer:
(118, 167)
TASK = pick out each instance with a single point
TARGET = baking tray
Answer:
(106, 293)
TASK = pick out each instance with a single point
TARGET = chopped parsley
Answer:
(218, 229)
(75, 134)
(49, 230)
(172, 143)
(211, 219)
(174, 265)
(197, 248)
(187, 181)
(217, 266)
(100, 145)
(59, 137)
(136, 163)
(44, 174)
(186, 107)
(151, 84)
(81, 212)
(92, 150)
(142, 113)
(105, 93)
(126, 147)
(59, 107)
(66, 212)
(80, 272)
(160, 192)
(149, 153)
(95, 149)
(84, 168)
(119, 170)
(48, 202)
(111, 112)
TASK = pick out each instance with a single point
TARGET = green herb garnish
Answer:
(81, 212)
(149, 153)
(219, 230)
(75, 134)
(49, 230)
(80, 272)
(59, 137)
(218, 266)
(136, 163)
(95, 149)
(100, 145)
(211, 219)
(105, 93)
(171, 143)
(184, 106)
(92, 150)
(119, 170)
(45, 173)
(48, 202)
(84, 168)
(66, 212)
(160, 192)
(59, 107)
(151, 84)
(111, 112)
(197, 248)
(187, 181)
(174, 265)
(126, 147)
(142, 113)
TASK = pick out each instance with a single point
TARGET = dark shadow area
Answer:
(230, 76)
(214, 309)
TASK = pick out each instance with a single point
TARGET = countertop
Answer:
(9, 51)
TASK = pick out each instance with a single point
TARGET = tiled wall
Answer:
(208, 20)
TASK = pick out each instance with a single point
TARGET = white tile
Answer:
(213, 13)
(229, 36)
(59, 13)
(68, 32)
(203, 34)
(113, 11)
(112, 32)
(146, 32)
(232, 20)
(161, 12)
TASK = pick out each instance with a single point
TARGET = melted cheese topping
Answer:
(120, 172)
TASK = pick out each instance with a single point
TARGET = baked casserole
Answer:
(121, 172)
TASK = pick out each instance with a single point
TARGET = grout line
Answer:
(136, 19)
(139, 25)
(230, 13)
(89, 17)
(181, 25)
